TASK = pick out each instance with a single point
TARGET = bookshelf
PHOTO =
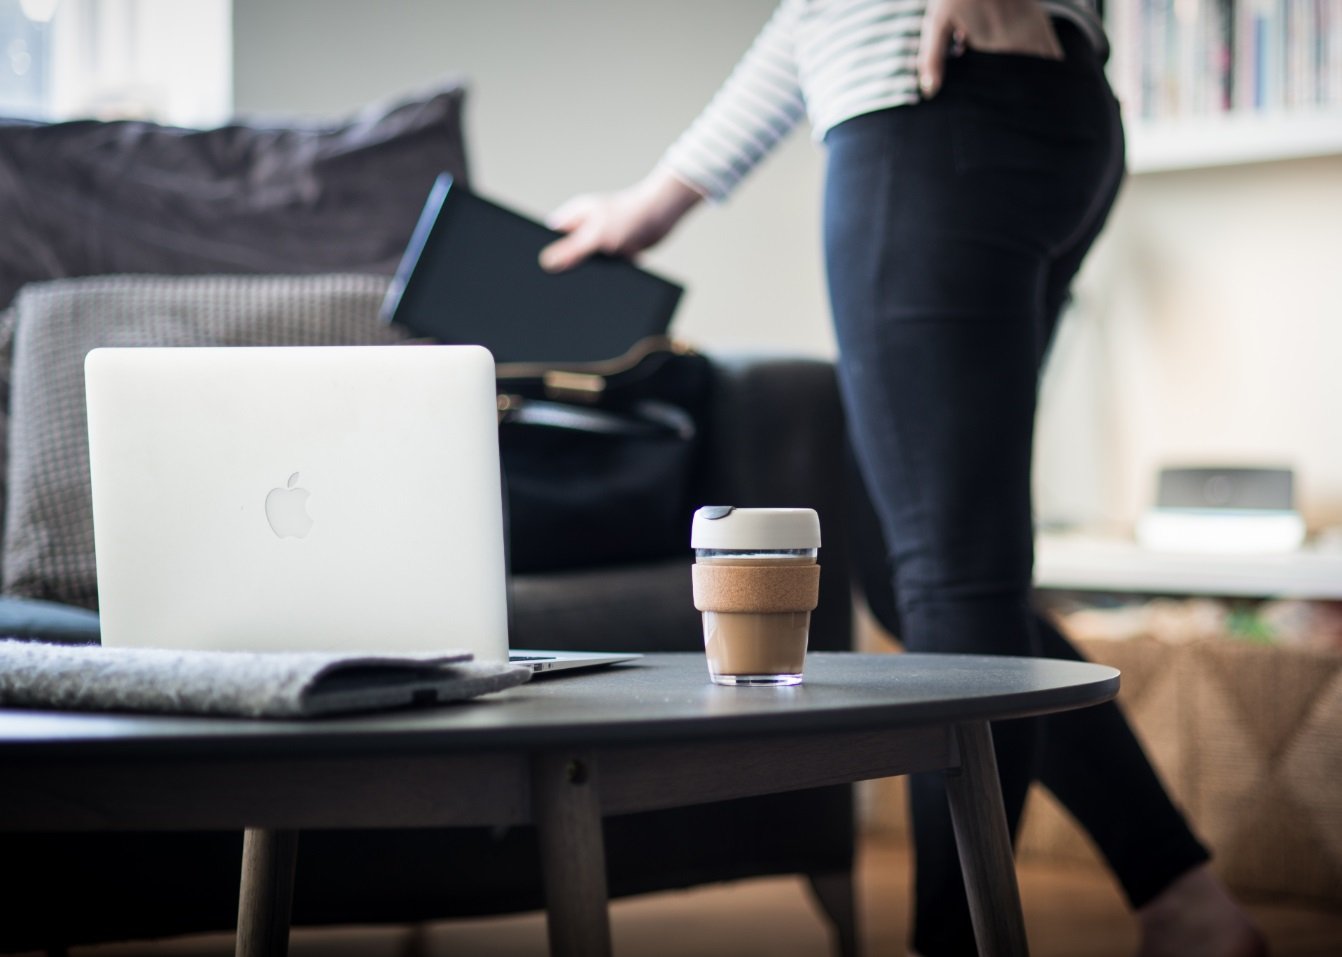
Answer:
(1218, 82)
(1197, 142)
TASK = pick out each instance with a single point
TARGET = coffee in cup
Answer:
(756, 582)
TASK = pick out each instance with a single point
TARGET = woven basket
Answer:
(1249, 741)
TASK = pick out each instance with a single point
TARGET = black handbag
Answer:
(599, 459)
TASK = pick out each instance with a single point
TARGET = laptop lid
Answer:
(332, 498)
(471, 275)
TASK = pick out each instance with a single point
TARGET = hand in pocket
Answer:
(993, 26)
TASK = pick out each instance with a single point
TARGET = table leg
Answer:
(984, 844)
(268, 859)
(573, 854)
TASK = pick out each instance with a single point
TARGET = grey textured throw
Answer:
(249, 684)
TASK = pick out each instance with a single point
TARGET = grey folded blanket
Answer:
(249, 684)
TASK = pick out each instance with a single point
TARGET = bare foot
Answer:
(1196, 917)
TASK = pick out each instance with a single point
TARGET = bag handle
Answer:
(586, 382)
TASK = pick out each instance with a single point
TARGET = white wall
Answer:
(1212, 320)
(1209, 319)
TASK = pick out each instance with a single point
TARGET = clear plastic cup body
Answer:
(756, 647)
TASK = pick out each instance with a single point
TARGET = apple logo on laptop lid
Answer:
(287, 510)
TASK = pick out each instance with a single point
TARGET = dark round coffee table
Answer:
(560, 752)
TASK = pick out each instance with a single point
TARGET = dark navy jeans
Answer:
(953, 230)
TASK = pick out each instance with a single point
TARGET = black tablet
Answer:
(471, 276)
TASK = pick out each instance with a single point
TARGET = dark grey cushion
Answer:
(87, 198)
(632, 607)
(91, 198)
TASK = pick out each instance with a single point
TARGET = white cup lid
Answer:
(765, 529)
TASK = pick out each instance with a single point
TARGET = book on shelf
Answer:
(1174, 59)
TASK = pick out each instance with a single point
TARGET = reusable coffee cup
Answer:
(756, 581)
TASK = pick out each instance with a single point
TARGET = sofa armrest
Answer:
(776, 437)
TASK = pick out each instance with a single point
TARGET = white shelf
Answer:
(1093, 563)
(1229, 139)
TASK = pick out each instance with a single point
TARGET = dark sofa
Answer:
(774, 436)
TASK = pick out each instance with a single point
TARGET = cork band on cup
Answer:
(756, 588)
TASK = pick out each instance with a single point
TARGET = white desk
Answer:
(1092, 563)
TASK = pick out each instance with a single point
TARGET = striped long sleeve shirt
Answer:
(828, 60)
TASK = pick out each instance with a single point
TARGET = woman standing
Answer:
(962, 193)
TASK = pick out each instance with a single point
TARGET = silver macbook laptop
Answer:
(333, 498)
